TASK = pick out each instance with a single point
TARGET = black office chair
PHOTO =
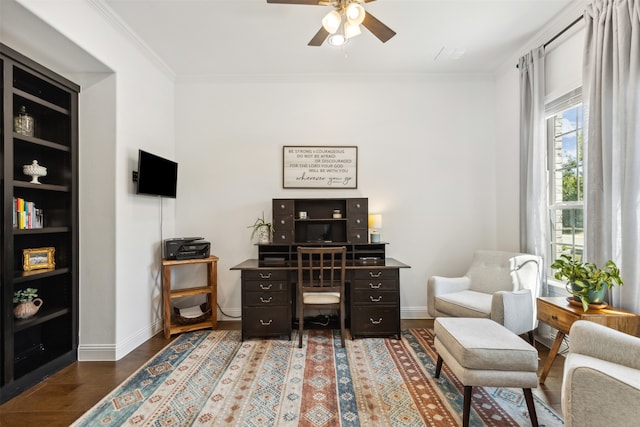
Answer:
(321, 276)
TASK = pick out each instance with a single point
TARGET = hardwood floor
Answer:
(62, 398)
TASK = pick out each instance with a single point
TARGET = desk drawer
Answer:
(265, 275)
(266, 299)
(375, 285)
(558, 319)
(375, 320)
(375, 273)
(266, 321)
(374, 297)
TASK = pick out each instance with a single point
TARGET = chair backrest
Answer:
(490, 271)
(493, 271)
(322, 269)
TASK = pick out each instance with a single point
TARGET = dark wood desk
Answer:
(559, 314)
(268, 297)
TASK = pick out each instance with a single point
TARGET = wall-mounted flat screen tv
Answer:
(157, 176)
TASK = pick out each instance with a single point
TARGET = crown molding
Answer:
(399, 78)
(120, 26)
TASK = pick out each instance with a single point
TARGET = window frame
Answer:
(554, 108)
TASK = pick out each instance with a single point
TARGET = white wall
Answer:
(438, 157)
(131, 108)
(427, 162)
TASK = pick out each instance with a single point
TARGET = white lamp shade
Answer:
(355, 13)
(331, 21)
(351, 30)
(375, 221)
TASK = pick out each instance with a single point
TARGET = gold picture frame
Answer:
(38, 258)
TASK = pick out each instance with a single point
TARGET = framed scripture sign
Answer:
(319, 166)
(35, 259)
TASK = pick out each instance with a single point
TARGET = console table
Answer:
(559, 314)
(269, 288)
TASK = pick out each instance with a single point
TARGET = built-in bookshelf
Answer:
(39, 221)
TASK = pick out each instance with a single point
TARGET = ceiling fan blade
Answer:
(378, 29)
(319, 38)
(310, 2)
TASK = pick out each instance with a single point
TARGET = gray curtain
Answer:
(611, 82)
(534, 233)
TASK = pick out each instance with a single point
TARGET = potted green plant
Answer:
(27, 303)
(263, 228)
(585, 281)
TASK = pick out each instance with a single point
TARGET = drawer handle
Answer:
(554, 317)
(372, 286)
(358, 221)
(266, 300)
(358, 236)
(282, 221)
(374, 275)
(375, 299)
(263, 323)
(265, 276)
(267, 287)
(375, 322)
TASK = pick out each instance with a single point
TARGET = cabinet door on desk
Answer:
(357, 217)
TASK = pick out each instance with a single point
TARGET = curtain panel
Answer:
(534, 234)
(611, 82)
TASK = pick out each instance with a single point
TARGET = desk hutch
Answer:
(269, 281)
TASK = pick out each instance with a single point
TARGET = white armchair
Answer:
(601, 379)
(502, 286)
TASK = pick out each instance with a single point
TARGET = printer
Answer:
(186, 248)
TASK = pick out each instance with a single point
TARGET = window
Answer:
(566, 176)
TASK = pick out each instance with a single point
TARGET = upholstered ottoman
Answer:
(481, 352)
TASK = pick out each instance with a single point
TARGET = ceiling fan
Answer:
(344, 21)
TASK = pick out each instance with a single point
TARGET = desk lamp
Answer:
(375, 223)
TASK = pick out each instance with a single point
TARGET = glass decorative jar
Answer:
(23, 122)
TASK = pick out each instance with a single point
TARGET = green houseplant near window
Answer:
(585, 281)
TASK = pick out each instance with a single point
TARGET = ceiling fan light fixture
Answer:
(338, 40)
(351, 30)
(355, 13)
(331, 22)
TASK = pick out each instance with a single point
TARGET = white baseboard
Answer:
(112, 352)
(414, 313)
(96, 352)
(230, 314)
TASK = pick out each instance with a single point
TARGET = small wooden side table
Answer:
(210, 290)
(559, 314)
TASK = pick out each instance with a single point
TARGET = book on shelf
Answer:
(26, 215)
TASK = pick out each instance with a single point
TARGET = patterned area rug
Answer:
(210, 378)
